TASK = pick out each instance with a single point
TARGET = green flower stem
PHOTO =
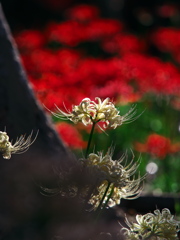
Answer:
(99, 210)
(109, 196)
(90, 139)
(102, 200)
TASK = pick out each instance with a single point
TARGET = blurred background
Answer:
(126, 50)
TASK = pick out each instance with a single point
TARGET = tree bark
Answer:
(20, 112)
(24, 212)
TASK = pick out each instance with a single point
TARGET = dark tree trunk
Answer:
(20, 112)
(24, 212)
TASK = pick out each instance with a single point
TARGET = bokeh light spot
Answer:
(151, 168)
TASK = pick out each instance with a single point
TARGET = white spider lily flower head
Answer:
(21, 144)
(151, 226)
(121, 178)
(89, 112)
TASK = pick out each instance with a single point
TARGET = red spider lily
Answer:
(70, 135)
(47, 81)
(72, 73)
(29, 40)
(151, 75)
(167, 10)
(99, 29)
(128, 77)
(49, 98)
(167, 39)
(119, 91)
(68, 60)
(83, 13)
(40, 61)
(43, 60)
(123, 43)
(158, 146)
(69, 33)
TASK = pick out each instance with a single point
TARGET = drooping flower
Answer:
(118, 179)
(21, 145)
(160, 226)
(89, 112)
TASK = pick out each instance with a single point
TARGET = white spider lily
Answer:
(89, 112)
(21, 145)
(112, 172)
(151, 226)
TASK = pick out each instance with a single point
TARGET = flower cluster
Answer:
(21, 145)
(116, 179)
(89, 112)
(158, 146)
(150, 226)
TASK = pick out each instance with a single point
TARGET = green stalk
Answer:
(90, 139)
(109, 196)
(101, 202)
(99, 210)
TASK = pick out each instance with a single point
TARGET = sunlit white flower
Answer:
(89, 112)
(21, 145)
(121, 180)
(160, 226)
